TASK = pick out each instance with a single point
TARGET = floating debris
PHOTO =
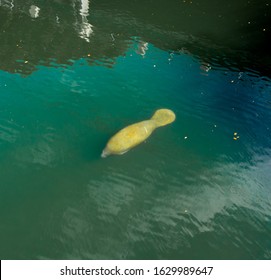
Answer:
(235, 136)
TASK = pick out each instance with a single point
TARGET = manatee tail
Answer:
(163, 117)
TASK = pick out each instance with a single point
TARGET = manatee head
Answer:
(105, 153)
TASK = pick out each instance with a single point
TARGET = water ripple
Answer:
(9, 131)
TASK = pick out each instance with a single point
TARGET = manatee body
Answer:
(134, 134)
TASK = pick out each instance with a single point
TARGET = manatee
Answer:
(134, 134)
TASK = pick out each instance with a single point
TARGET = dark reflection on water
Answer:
(231, 34)
(199, 188)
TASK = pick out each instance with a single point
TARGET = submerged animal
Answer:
(134, 134)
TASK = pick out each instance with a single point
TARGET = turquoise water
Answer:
(190, 192)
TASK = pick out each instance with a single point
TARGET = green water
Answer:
(75, 72)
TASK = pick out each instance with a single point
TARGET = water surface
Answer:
(73, 73)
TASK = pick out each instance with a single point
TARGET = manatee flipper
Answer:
(134, 134)
(163, 117)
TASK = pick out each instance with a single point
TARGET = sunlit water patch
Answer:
(198, 188)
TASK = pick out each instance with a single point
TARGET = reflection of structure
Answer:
(51, 34)
(7, 3)
(142, 48)
(64, 33)
(205, 67)
(34, 11)
(84, 28)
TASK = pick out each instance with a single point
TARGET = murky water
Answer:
(72, 73)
